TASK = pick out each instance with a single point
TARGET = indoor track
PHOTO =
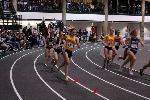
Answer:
(23, 77)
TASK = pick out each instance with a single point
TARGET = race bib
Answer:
(70, 45)
(50, 43)
(134, 46)
(117, 43)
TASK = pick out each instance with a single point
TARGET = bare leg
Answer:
(105, 56)
(132, 59)
(47, 55)
(144, 68)
(126, 61)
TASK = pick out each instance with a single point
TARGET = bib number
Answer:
(50, 43)
(71, 46)
(134, 46)
(117, 44)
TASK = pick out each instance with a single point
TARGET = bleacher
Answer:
(9, 17)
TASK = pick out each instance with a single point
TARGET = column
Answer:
(105, 28)
(64, 11)
(15, 4)
(143, 17)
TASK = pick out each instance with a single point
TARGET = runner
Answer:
(144, 68)
(58, 47)
(118, 42)
(132, 50)
(109, 48)
(70, 41)
(126, 39)
(49, 44)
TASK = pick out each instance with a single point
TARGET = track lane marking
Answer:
(114, 72)
(85, 86)
(11, 74)
(80, 84)
(16, 53)
(45, 81)
(109, 82)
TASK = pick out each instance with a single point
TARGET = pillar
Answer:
(64, 11)
(105, 27)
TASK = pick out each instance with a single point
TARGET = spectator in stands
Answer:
(39, 5)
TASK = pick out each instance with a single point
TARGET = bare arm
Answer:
(105, 40)
(121, 41)
(77, 42)
(141, 42)
(44, 41)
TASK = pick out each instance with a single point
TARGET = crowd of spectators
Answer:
(94, 6)
(83, 35)
(7, 5)
(131, 7)
(39, 6)
(85, 7)
(15, 41)
(30, 37)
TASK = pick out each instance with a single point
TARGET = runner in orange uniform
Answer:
(109, 48)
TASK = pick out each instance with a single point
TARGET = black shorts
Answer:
(70, 53)
(49, 47)
(134, 51)
(117, 47)
(58, 50)
(109, 48)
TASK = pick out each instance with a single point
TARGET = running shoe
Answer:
(131, 72)
(141, 72)
(45, 65)
(66, 79)
(53, 62)
(120, 68)
(109, 62)
(119, 57)
(103, 67)
(105, 64)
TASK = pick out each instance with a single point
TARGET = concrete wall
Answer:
(79, 17)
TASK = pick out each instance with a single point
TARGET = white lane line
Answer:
(45, 81)
(110, 82)
(15, 53)
(85, 86)
(115, 73)
(11, 74)
(69, 78)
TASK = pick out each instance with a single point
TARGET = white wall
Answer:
(40, 15)
(79, 17)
